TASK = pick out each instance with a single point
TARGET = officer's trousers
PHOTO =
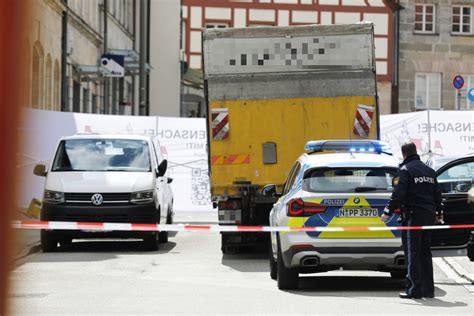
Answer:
(418, 255)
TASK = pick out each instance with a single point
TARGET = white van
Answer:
(106, 178)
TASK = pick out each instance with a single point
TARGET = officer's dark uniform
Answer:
(417, 194)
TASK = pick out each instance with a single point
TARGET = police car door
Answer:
(455, 180)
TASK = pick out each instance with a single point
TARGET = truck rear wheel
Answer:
(287, 278)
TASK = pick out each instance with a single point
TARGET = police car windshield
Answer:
(340, 180)
(102, 155)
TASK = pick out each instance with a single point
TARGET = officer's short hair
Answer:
(409, 149)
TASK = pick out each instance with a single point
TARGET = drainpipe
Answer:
(142, 75)
(106, 80)
(396, 58)
(64, 78)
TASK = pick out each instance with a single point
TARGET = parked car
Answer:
(436, 162)
(106, 178)
(456, 178)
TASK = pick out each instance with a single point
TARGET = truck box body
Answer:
(270, 90)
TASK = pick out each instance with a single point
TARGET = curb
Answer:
(459, 269)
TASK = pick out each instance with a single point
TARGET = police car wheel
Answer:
(470, 252)
(273, 264)
(287, 278)
(48, 242)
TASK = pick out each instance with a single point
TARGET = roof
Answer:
(335, 160)
(108, 136)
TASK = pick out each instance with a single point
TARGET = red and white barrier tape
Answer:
(104, 227)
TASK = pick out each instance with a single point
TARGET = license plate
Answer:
(358, 212)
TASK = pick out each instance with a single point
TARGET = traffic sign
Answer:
(470, 94)
(458, 82)
(113, 65)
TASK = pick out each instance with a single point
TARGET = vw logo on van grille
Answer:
(97, 199)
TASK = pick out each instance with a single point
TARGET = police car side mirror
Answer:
(269, 190)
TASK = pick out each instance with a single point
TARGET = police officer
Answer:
(416, 193)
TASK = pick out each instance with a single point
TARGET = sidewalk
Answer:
(27, 241)
(462, 266)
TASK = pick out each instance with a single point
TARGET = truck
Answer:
(268, 91)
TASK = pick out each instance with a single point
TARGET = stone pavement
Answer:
(28, 241)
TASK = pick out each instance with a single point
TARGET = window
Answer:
(342, 180)
(425, 18)
(37, 79)
(291, 178)
(48, 84)
(462, 100)
(102, 155)
(457, 179)
(428, 91)
(216, 25)
(462, 17)
(56, 87)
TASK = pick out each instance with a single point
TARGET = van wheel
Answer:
(66, 242)
(163, 236)
(48, 242)
(398, 274)
(287, 278)
(273, 264)
(151, 242)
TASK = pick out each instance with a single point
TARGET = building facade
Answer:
(165, 47)
(436, 44)
(199, 14)
(67, 40)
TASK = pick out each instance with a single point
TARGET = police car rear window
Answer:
(340, 180)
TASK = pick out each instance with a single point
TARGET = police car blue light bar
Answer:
(365, 146)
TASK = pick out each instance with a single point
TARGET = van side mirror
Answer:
(40, 170)
(161, 170)
(170, 180)
(269, 190)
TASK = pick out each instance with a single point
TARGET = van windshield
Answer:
(102, 155)
(339, 180)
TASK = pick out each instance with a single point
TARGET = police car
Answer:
(338, 183)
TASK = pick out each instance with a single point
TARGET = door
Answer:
(455, 179)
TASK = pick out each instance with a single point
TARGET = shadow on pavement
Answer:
(86, 251)
(247, 262)
(436, 302)
(380, 286)
(250, 259)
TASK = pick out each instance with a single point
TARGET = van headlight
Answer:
(142, 197)
(53, 197)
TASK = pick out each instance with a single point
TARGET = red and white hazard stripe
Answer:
(105, 227)
(363, 120)
(220, 124)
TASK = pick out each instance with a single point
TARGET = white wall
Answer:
(165, 76)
